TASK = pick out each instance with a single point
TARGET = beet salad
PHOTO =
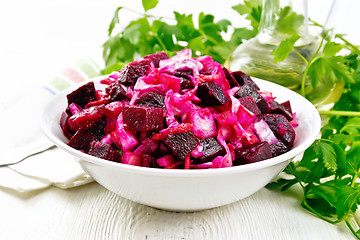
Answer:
(179, 112)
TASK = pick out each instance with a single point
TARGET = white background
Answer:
(38, 39)
(41, 37)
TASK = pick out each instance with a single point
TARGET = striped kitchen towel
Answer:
(53, 167)
(82, 70)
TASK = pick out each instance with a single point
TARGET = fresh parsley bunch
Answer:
(329, 170)
(149, 34)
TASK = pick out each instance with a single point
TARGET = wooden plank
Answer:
(92, 212)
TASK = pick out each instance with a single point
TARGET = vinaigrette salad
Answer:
(178, 112)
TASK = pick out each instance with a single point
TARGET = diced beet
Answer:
(113, 109)
(181, 128)
(151, 99)
(97, 130)
(278, 148)
(281, 128)
(276, 107)
(230, 77)
(142, 118)
(242, 78)
(206, 72)
(161, 150)
(131, 158)
(98, 102)
(148, 161)
(104, 151)
(110, 124)
(211, 94)
(287, 106)
(83, 95)
(252, 153)
(155, 58)
(148, 146)
(250, 105)
(144, 135)
(181, 144)
(186, 81)
(167, 161)
(81, 140)
(116, 92)
(65, 125)
(129, 74)
(87, 117)
(249, 90)
(67, 110)
(211, 149)
(183, 73)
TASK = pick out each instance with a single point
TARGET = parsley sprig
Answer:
(149, 34)
(329, 169)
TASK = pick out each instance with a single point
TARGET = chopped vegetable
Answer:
(155, 121)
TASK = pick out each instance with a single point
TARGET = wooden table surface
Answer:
(92, 212)
(41, 37)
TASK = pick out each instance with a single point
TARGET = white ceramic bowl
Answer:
(188, 190)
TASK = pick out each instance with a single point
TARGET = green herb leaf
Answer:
(185, 25)
(289, 21)
(332, 48)
(332, 67)
(149, 34)
(252, 9)
(149, 4)
(351, 61)
(347, 201)
(164, 33)
(321, 200)
(352, 127)
(114, 21)
(224, 24)
(326, 152)
(353, 158)
(317, 72)
(211, 30)
(282, 184)
(336, 70)
(284, 48)
(117, 49)
(133, 33)
(225, 49)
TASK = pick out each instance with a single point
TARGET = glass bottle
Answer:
(280, 19)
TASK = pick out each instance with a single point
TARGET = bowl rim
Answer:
(83, 157)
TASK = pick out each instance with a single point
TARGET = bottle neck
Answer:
(280, 19)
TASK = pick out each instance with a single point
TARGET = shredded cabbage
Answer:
(231, 124)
